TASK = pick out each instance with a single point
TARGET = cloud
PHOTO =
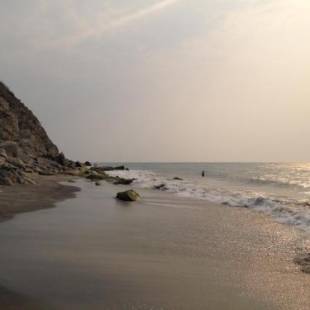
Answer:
(110, 20)
(138, 14)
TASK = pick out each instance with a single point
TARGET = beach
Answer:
(163, 252)
(154, 155)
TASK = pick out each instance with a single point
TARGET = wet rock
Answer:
(88, 164)
(97, 183)
(110, 168)
(122, 181)
(162, 187)
(95, 176)
(130, 195)
(97, 169)
(177, 179)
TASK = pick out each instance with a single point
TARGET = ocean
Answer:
(281, 190)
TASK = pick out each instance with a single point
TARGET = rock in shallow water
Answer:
(122, 181)
(162, 187)
(130, 195)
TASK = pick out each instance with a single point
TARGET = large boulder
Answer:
(130, 195)
(95, 176)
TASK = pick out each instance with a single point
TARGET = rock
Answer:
(28, 169)
(97, 183)
(130, 195)
(119, 168)
(95, 176)
(74, 172)
(29, 181)
(11, 148)
(108, 168)
(10, 175)
(97, 169)
(6, 180)
(304, 261)
(122, 181)
(3, 153)
(46, 173)
(16, 162)
(88, 164)
(6, 177)
(161, 187)
(61, 159)
(306, 269)
(177, 179)
(78, 164)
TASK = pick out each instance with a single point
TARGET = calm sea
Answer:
(279, 189)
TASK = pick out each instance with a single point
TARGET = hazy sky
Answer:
(163, 80)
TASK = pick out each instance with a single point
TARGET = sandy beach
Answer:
(154, 155)
(164, 252)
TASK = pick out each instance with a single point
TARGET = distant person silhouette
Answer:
(203, 173)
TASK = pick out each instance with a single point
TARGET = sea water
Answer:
(279, 189)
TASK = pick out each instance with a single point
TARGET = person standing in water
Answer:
(203, 173)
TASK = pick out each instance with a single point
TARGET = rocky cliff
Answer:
(19, 126)
(25, 147)
(26, 150)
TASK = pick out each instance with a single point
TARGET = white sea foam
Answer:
(284, 210)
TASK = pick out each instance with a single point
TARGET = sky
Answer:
(163, 80)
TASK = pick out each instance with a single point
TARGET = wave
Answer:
(284, 210)
(281, 181)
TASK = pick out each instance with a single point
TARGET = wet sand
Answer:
(25, 198)
(93, 252)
